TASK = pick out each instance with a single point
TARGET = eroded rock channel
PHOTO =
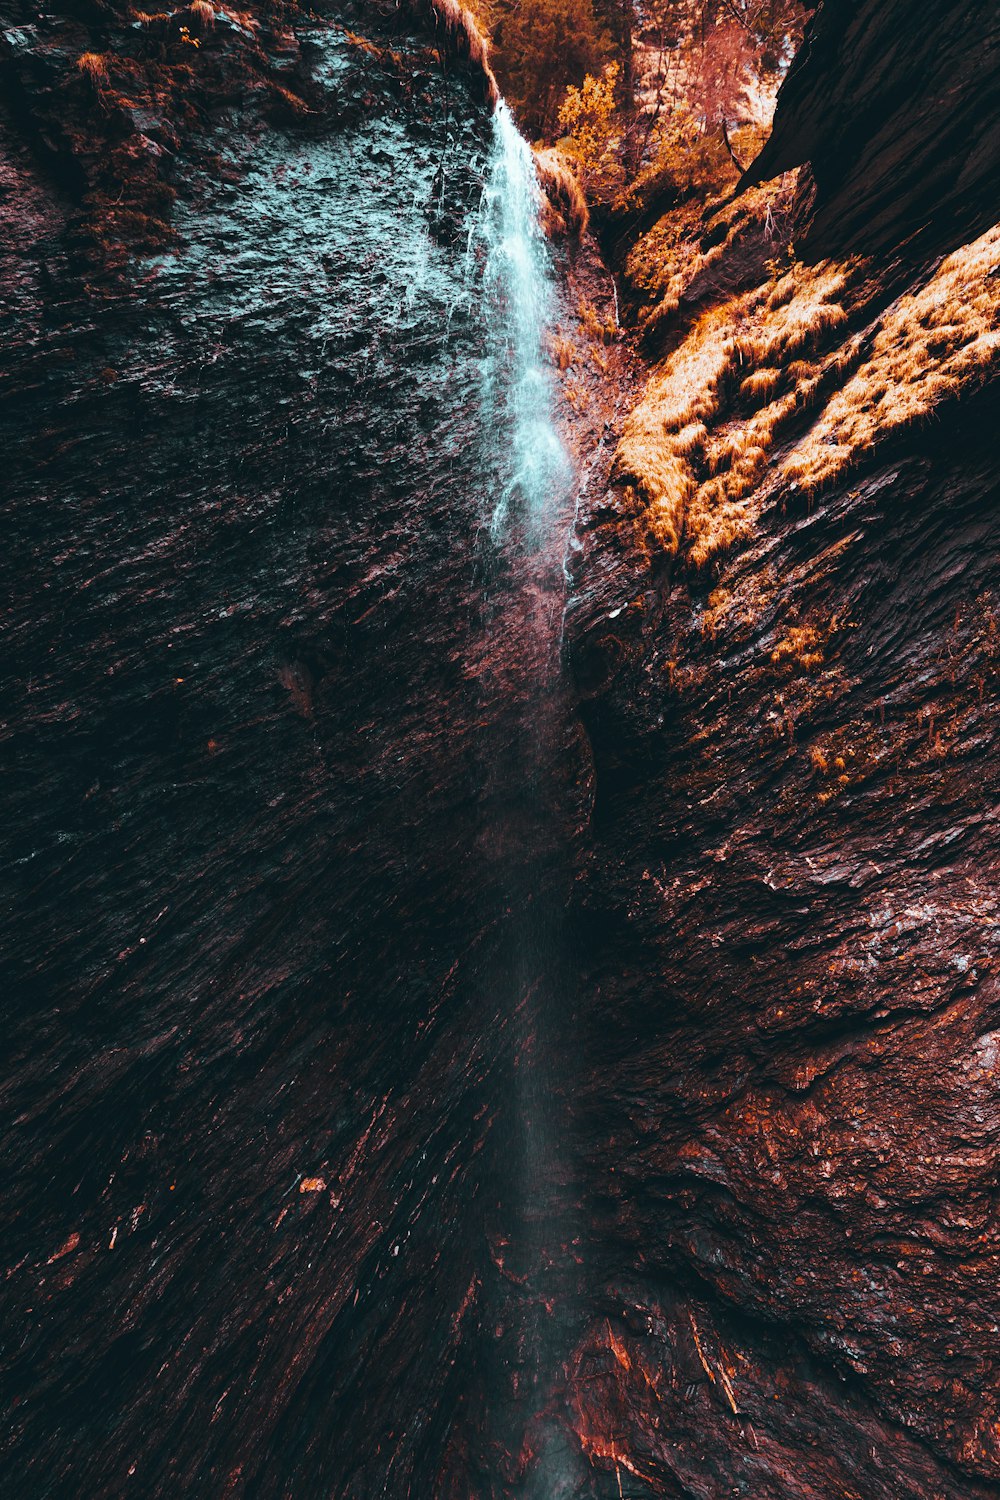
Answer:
(499, 964)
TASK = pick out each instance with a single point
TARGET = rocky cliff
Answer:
(432, 1073)
(251, 1059)
(895, 113)
(785, 642)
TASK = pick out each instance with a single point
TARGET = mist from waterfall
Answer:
(518, 301)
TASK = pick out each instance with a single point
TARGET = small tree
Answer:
(587, 118)
(540, 46)
(721, 74)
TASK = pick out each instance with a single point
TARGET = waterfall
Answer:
(518, 298)
(521, 715)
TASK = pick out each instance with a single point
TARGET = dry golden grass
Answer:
(203, 14)
(800, 649)
(562, 351)
(784, 329)
(567, 206)
(717, 409)
(763, 384)
(605, 330)
(830, 767)
(697, 446)
(94, 65)
(927, 346)
(663, 434)
(689, 450)
(783, 290)
(663, 261)
(287, 103)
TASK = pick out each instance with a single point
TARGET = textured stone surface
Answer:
(267, 806)
(790, 1117)
(291, 784)
(897, 110)
(427, 1074)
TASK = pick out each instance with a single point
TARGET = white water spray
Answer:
(519, 296)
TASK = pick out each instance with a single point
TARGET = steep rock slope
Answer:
(896, 112)
(268, 807)
(297, 1025)
(786, 640)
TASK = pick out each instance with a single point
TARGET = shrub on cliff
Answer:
(588, 121)
(540, 48)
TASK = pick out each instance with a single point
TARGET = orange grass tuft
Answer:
(684, 451)
(698, 444)
(93, 64)
(928, 345)
(663, 434)
(762, 384)
(568, 213)
(562, 351)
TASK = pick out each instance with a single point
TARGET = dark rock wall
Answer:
(788, 1117)
(266, 812)
(896, 108)
(425, 1077)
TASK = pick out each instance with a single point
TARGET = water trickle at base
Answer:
(518, 299)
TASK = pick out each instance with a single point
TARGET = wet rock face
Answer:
(787, 1121)
(896, 115)
(126, 110)
(268, 812)
(790, 1120)
(423, 1079)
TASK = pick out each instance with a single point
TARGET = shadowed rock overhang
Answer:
(896, 108)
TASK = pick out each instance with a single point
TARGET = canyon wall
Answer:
(257, 1009)
(895, 112)
(430, 1073)
(788, 1123)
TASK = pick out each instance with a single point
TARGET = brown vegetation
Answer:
(463, 30)
(202, 14)
(696, 449)
(925, 348)
(541, 47)
(699, 441)
(94, 65)
(565, 203)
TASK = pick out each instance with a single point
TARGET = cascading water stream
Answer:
(527, 511)
(518, 301)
